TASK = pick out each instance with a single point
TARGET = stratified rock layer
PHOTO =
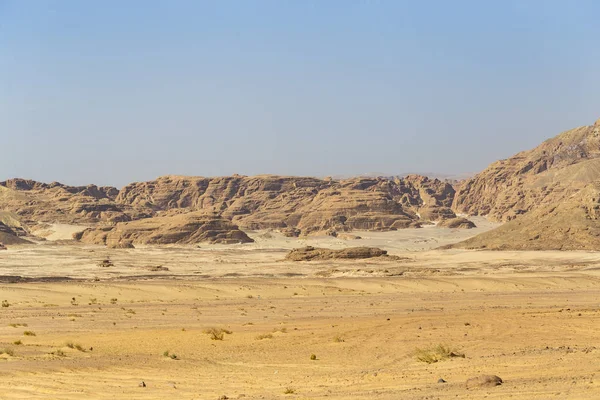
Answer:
(186, 228)
(546, 175)
(352, 253)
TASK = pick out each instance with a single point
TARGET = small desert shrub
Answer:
(17, 342)
(217, 333)
(313, 357)
(171, 356)
(265, 336)
(113, 301)
(282, 330)
(8, 352)
(59, 353)
(75, 346)
(29, 333)
(289, 390)
(437, 353)
(5, 303)
(338, 339)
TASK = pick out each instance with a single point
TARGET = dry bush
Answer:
(437, 353)
(217, 333)
(265, 336)
(8, 352)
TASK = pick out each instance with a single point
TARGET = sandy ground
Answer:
(532, 318)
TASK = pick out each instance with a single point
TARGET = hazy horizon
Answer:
(115, 92)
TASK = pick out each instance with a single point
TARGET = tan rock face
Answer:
(545, 175)
(185, 228)
(353, 253)
(457, 223)
(549, 194)
(293, 205)
(8, 236)
(34, 202)
(571, 224)
(308, 204)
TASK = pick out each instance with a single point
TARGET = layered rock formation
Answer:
(572, 224)
(8, 236)
(34, 202)
(549, 194)
(353, 253)
(457, 223)
(299, 205)
(545, 175)
(177, 228)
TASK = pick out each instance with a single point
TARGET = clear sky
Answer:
(110, 92)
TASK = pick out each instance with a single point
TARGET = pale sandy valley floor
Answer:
(532, 318)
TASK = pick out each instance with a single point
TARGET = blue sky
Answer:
(111, 91)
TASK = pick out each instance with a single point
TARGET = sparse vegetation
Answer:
(217, 333)
(338, 339)
(17, 325)
(114, 301)
(5, 303)
(17, 342)
(170, 355)
(265, 336)
(59, 353)
(437, 353)
(29, 333)
(75, 346)
(289, 390)
(8, 352)
(106, 263)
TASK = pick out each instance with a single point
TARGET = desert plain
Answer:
(75, 326)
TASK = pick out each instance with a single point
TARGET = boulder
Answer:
(483, 381)
(310, 253)
(457, 223)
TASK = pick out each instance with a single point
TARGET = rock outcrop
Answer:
(8, 236)
(35, 202)
(572, 224)
(457, 223)
(177, 228)
(546, 175)
(293, 205)
(297, 205)
(550, 196)
(353, 253)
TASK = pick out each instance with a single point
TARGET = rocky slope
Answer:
(572, 224)
(294, 205)
(34, 202)
(177, 228)
(549, 194)
(546, 175)
(307, 205)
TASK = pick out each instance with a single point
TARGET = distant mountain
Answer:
(293, 205)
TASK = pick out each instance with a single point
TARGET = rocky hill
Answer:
(572, 224)
(175, 228)
(302, 205)
(293, 205)
(549, 194)
(548, 174)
